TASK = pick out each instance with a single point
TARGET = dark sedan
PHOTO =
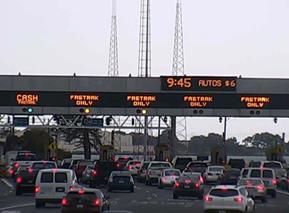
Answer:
(189, 185)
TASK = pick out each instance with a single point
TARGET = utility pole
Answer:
(224, 139)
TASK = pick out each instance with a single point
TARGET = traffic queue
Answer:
(75, 183)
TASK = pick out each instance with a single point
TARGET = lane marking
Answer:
(6, 183)
(284, 193)
(155, 195)
(17, 206)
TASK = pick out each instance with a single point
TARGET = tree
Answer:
(263, 140)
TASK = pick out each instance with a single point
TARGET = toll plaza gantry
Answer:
(205, 96)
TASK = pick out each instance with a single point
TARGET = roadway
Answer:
(144, 199)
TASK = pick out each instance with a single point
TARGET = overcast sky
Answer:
(221, 37)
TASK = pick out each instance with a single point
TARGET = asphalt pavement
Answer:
(145, 199)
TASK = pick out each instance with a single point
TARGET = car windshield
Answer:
(272, 165)
(39, 166)
(160, 165)
(267, 173)
(215, 169)
(224, 192)
(172, 173)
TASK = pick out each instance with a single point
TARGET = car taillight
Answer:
(197, 185)
(11, 171)
(288, 180)
(201, 180)
(16, 165)
(19, 180)
(164, 179)
(261, 188)
(94, 173)
(96, 202)
(81, 191)
(274, 182)
(129, 167)
(177, 184)
(30, 170)
(64, 202)
(207, 198)
(37, 189)
(238, 199)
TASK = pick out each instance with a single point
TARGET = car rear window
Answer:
(85, 163)
(215, 169)
(46, 177)
(84, 196)
(224, 192)
(232, 173)
(267, 174)
(193, 178)
(26, 157)
(162, 165)
(254, 164)
(253, 182)
(183, 161)
(272, 165)
(191, 165)
(256, 173)
(172, 173)
(43, 166)
(60, 177)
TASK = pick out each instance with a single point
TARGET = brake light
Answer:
(274, 182)
(19, 180)
(238, 199)
(37, 189)
(177, 184)
(30, 170)
(97, 202)
(129, 167)
(207, 198)
(94, 173)
(16, 165)
(197, 185)
(201, 180)
(81, 191)
(261, 188)
(64, 202)
(11, 171)
(117, 165)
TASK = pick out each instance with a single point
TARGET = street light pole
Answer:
(224, 139)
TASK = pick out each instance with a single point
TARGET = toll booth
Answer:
(162, 152)
(107, 152)
(275, 153)
(218, 156)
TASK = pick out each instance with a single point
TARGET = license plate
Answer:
(30, 181)
(121, 181)
(79, 206)
(60, 189)
(187, 187)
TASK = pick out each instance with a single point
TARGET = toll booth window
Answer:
(61, 177)
(256, 173)
(46, 177)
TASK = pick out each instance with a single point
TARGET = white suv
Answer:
(52, 185)
(154, 171)
(223, 198)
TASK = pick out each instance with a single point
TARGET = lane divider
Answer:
(17, 206)
(284, 193)
(6, 182)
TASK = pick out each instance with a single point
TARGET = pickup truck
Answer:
(22, 160)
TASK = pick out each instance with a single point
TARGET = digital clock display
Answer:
(187, 83)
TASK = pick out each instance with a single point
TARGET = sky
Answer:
(221, 37)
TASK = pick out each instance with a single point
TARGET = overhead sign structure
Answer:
(165, 95)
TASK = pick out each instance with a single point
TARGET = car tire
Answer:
(39, 204)
(175, 196)
(273, 194)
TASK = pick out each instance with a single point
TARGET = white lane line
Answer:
(155, 195)
(6, 183)
(17, 206)
(284, 193)
(149, 198)
(147, 191)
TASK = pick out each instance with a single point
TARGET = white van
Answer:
(52, 185)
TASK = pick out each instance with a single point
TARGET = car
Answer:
(196, 166)
(276, 166)
(230, 177)
(255, 187)
(101, 172)
(122, 161)
(142, 172)
(80, 167)
(267, 175)
(133, 166)
(73, 164)
(120, 180)
(180, 162)
(25, 179)
(191, 185)
(225, 198)
(213, 173)
(168, 178)
(284, 182)
(23, 159)
(86, 175)
(84, 200)
(237, 163)
(154, 171)
(51, 185)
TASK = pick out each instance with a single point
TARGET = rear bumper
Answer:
(188, 192)
(49, 200)
(80, 210)
(224, 207)
(113, 186)
(212, 178)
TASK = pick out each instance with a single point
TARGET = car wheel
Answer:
(175, 196)
(273, 194)
(39, 204)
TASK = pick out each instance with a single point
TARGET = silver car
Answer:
(255, 187)
(168, 177)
